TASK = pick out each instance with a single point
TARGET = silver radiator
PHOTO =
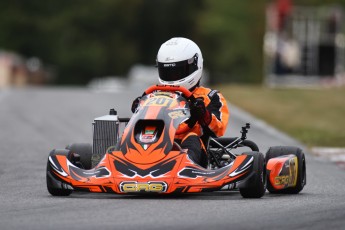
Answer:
(105, 135)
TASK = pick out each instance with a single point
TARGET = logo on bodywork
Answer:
(290, 171)
(177, 114)
(151, 186)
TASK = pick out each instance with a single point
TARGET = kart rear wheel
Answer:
(84, 150)
(277, 151)
(54, 186)
(257, 184)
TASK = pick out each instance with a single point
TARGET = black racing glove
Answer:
(200, 113)
(135, 104)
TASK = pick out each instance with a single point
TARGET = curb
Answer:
(335, 155)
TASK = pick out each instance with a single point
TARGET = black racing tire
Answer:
(84, 150)
(277, 151)
(54, 186)
(56, 191)
(257, 183)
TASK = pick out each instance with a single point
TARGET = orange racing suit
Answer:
(216, 104)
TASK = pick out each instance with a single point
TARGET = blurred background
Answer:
(74, 42)
(260, 50)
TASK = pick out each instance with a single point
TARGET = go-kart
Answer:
(147, 159)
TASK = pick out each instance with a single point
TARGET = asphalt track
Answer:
(34, 121)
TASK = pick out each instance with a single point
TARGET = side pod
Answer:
(282, 172)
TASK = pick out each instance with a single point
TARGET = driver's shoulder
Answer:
(202, 91)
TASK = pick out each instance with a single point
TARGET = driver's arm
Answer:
(219, 112)
(211, 111)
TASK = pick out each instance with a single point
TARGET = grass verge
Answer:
(314, 116)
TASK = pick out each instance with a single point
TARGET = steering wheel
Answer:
(185, 92)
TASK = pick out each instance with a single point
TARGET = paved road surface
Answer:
(33, 121)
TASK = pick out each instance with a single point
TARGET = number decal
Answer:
(159, 101)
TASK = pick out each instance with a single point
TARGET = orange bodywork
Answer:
(145, 165)
(178, 174)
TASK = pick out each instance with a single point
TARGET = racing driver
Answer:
(180, 63)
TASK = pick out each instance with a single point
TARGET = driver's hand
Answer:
(135, 104)
(200, 113)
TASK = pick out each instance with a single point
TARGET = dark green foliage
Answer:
(232, 33)
(87, 39)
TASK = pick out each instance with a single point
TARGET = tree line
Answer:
(87, 39)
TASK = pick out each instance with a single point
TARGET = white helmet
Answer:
(180, 63)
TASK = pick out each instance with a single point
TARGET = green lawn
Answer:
(314, 116)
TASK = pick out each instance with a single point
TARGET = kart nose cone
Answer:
(144, 155)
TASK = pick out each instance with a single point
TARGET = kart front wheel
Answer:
(256, 186)
(84, 150)
(54, 186)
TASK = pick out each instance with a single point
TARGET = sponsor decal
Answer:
(163, 93)
(177, 114)
(282, 180)
(169, 59)
(172, 42)
(170, 65)
(212, 93)
(193, 172)
(149, 135)
(151, 186)
(290, 171)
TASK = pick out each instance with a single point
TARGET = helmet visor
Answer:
(175, 71)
